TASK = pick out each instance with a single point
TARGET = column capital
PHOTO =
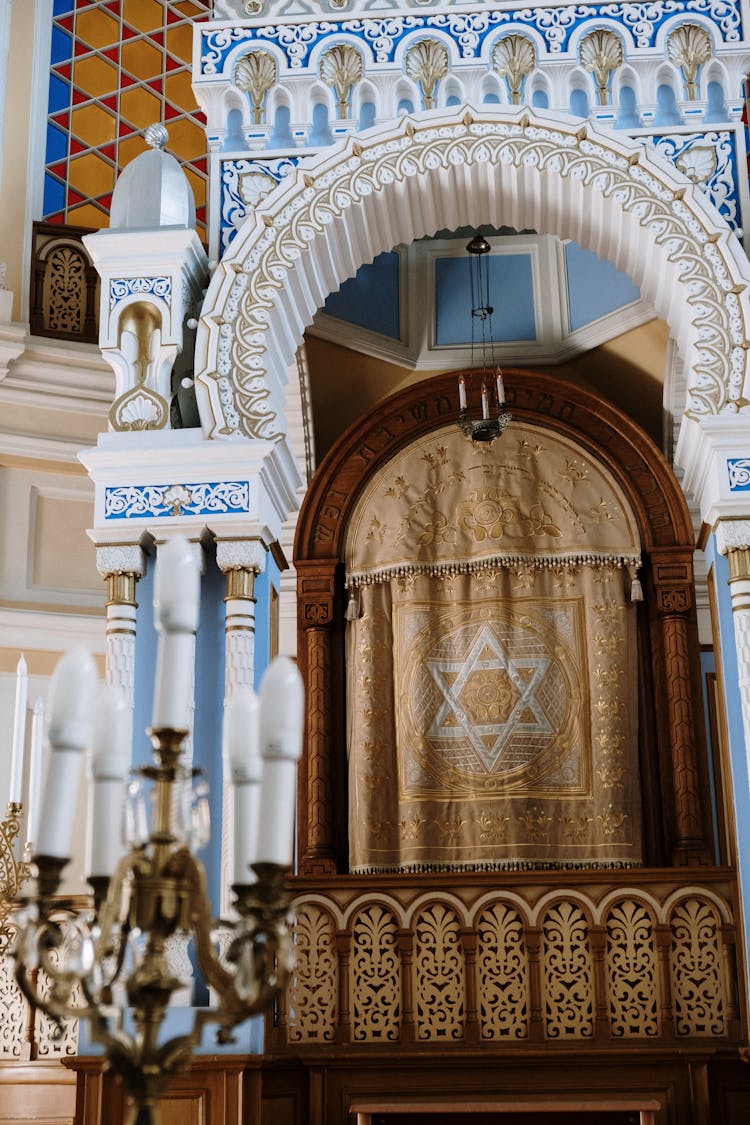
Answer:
(732, 535)
(123, 558)
(241, 554)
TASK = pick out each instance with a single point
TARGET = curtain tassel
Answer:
(636, 590)
(354, 606)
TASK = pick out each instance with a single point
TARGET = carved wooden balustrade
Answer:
(607, 959)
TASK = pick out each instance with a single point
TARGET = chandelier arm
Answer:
(52, 1005)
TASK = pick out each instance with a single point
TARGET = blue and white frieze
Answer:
(244, 183)
(738, 469)
(152, 501)
(121, 287)
(710, 160)
(295, 41)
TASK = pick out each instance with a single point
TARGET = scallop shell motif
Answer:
(698, 163)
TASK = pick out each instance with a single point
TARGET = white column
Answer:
(240, 560)
(121, 567)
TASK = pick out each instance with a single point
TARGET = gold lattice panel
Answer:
(695, 962)
(313, 992)
(375, 984)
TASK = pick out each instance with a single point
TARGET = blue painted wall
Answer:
(737, 751)
(511, 288)
(371, 298)
(595, 287)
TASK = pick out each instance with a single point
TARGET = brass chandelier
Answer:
(109, 964)
(495, 416)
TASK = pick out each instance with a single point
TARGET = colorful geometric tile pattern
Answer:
(118, 66)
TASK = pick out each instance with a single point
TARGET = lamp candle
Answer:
(35, 771)
(485, 402)
(245, 767)
(281, 720)
(71, 700)
(462, 392)
(500, 388)
(176, 601)
(110, 765)
(19, 733)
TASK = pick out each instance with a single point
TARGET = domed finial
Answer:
(156, 136)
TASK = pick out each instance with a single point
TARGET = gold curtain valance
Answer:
(445, 505)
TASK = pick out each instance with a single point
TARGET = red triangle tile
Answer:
(81, 48)
(174, 17)
(76, 148)
(200, 214)
(112, 53)
(105, 201)
(74, 197)
(157, 37)
(57, 218)
(65, 22)
(171, 112)
(156, 84)
(79, 97)
(174, 64)
(62, 119)
(60, 169)
(110, 102)
(200, 165)
(125, 129)
(63, 70)
(108, 152)
(128, 32)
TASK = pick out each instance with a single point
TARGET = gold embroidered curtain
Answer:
(491, 659)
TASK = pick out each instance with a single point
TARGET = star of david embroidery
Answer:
(522, 676)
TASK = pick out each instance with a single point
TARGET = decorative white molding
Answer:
(160, 272)
(59, 375)
(43, 631)
(706, 450)
(543, 171)
(125, 558)
(732, 535)
(152, 466)
(240, 554)
(12, 337)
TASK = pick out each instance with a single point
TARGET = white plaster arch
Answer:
(445, 169)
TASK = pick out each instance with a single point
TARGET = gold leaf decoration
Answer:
(341, 68)
(426, 64)
(513, 58)
(255, 74)
(688, 47)
(600, 53)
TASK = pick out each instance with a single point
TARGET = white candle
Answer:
(500, 388)
(176, 602)
(35, 771)
(485, 402)
(110, 765)
(462, 392)
(281, 720)
(71, 701)
(245, 767)
(15, 794)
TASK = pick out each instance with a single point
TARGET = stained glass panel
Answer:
(108, 82)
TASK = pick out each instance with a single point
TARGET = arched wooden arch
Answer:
(677, 783)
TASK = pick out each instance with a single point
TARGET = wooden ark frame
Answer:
(676, 806)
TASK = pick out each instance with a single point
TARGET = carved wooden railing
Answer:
(64, 285)
(628, 958)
